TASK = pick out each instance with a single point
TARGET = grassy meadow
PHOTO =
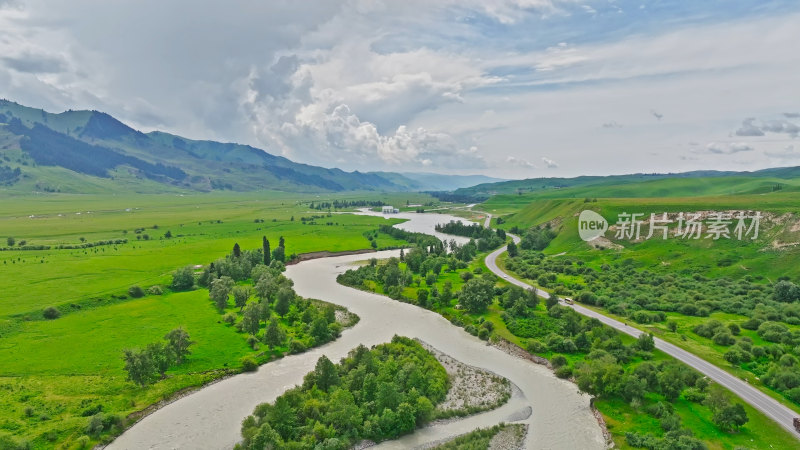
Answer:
(54, 374)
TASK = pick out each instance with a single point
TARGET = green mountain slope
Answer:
(698, 183)
(87, 151)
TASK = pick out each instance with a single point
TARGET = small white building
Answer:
(389, 210)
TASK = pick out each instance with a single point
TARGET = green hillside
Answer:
(689, 184)
(90, 152)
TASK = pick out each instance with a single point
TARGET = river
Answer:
(210, 418)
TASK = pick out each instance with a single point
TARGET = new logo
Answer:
(591, 225)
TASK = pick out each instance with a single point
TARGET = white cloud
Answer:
(727, 148)
(391, 85)
(549, 163)
(749, 128)
(520, 162)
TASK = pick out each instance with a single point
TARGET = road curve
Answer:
(779, 413)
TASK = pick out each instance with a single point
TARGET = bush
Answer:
(51, 313)
(136, 291)
(249, 364)
(229, 318)
(155, 290)
(535, 346)
(558, 361)
(83, 441)
(296, 346)
(564, 372)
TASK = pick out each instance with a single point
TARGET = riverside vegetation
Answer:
(648, 399)
(376, 394)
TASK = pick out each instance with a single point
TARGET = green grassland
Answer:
(53, 373)
(203, 228)
(759, 257)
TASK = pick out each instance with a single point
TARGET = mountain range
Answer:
(91, 151)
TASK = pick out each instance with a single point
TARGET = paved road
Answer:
(773, 409)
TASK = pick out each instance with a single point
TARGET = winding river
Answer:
(210, 418)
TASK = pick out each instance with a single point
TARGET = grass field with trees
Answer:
(94, 302)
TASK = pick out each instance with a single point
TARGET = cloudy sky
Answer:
(511, 88)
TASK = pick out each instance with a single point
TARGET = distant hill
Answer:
(687, 184)
(90, 151)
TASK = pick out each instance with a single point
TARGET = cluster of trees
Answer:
(375, 394)
(148, 364)
(485, 238)
(623, 289)
(535, 238)
(646, 296)
(92, 244)
(422, 270)
(9, 176)
(345, 204)
(419, 239)
(267, 303)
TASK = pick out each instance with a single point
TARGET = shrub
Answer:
(558, 361)
(83, 441)
(296, 346)
(229, 318)
(155, 290)
(51, 313)
(535, 346)
(724, 338)
(249, 364)
(563, 372)
(136, 291)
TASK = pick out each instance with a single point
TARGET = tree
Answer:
(281, 242)
(240, 296)
(283, 417)
(646, 342)
(552, 300)
(786, 291)
(179, 342)
(447, 293)
(730, 418)
(512, 249)
(285, 297)
(265, 287)
(237, 251)
(139, 366)
(183, 278)
(325, 374)
(422, 297)
(251, 319)
(599, 376)
(265, 249)
(273, 336)
(220, 289)
(161, 356)
(319, 330)
(11, 241)
(279, 254)
(477, 294)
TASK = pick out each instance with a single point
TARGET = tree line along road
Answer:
(779, 413)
